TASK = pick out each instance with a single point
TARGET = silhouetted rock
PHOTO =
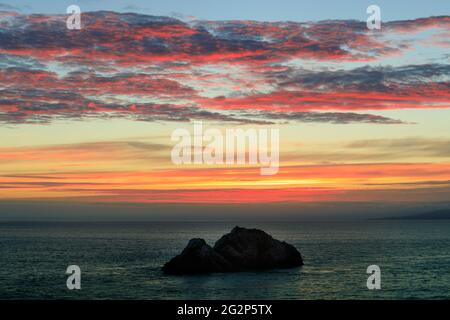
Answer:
(242, 249)
(254, 249)
(197, 257)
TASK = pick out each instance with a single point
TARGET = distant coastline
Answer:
(443, 214)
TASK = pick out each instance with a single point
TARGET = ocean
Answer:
(122, 260)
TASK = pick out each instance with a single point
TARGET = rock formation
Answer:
(241, 250)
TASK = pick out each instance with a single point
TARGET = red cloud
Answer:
(179, 66)
(409, 97)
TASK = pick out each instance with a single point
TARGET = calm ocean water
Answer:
(123, 261)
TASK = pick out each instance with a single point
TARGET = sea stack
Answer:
(240, 250)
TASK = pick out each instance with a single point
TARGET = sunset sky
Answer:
(87, 115)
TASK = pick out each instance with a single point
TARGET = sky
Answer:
(86, 116)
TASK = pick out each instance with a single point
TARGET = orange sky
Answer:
(140, 172)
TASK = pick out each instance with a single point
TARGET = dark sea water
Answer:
(123, 261)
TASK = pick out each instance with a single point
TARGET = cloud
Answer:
(424, 96)
(405, 146)
(131, 38)
(375, 150)
(152, 68)
(324, 117)
(367, 78)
